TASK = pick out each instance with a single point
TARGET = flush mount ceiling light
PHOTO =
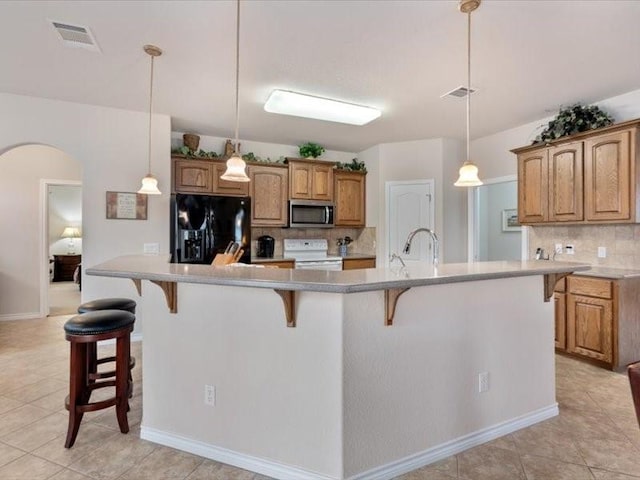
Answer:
(468, 172)
(308, 106)
(236, 168)
(149, 182)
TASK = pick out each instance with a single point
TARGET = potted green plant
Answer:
(311, 149)
(574, 119)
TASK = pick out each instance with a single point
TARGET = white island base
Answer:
(342, 396)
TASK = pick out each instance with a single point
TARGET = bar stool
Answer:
(83, 331)
(93, 361)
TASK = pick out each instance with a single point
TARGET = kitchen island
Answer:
(378, 377)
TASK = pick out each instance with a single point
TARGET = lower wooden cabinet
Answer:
(355, 263)
(276, 263)
(599, 319)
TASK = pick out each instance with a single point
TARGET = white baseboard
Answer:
(440, 452)
(20, 316)
(240, 460)
(384, 472)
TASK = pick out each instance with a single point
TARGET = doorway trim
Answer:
(45, 183)
(473, 206)
(387, 190)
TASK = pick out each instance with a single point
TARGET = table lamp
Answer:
(71, 233)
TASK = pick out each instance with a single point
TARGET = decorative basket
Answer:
(191, 141)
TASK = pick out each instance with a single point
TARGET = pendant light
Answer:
(236, 168)
(149, 182)
(468, 172)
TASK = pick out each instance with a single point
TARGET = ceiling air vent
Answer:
(75, 36)
(459, 92)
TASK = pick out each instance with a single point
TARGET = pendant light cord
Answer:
(150, 110)
(468, 86)
(235, 146)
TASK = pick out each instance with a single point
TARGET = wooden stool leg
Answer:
(122, 381)
(77, 389)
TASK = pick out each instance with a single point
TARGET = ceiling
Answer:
(528, 58)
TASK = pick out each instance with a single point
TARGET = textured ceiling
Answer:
(528, 58)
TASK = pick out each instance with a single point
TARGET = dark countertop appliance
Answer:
(203, 225)
(266, 245)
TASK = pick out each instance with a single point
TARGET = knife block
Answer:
(223, 259)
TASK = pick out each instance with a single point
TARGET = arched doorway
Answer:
(27, 170)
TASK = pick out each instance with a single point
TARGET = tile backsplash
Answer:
(364, 239)
(622, 243)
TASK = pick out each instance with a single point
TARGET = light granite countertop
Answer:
(610, 272)
(157, 268)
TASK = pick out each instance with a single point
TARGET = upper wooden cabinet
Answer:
(192, 176)
(608, 172)
(202, 176)
(225, 187)
(310, 179)
(587, 178)
(349, 189)
(269, 191)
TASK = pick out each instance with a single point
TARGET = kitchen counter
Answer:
(609, 272)
(347, 393)
(157, 268)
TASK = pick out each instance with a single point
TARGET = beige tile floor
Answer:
(595, 437)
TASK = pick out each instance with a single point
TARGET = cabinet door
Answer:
(607, 175)
(300, 178)
(192, 176)
(269, 191)
(590, 327)
(322, 182)
(224, 187)
(350, 199)
(356, 263)
(561, 320)
(565, 183)
(533, 186)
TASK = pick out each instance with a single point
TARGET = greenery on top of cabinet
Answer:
(354, 166)
(574, 119)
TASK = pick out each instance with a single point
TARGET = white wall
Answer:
(492, 153)
(22, 168)
(437, 159)
(112, 147)
(65, 210)
(261, 149)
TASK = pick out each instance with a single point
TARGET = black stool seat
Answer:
(101, 321)
(108, 304)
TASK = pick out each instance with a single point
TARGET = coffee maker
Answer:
(266, 245)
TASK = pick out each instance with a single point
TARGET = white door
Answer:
(410, 206)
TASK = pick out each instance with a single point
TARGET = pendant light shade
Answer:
(468, 176)
(236, 167)
(149, 185)
(468, 172)
(149, 182)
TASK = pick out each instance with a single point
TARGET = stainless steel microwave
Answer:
(310, 213)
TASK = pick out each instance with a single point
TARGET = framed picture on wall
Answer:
(510, 220)
(126, 206)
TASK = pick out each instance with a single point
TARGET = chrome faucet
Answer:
(434, 239)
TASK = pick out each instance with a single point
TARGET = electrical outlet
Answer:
(151, 248)
(483, 382)
(210, 395)
(602, 252)
(558, 248)
(568, 249)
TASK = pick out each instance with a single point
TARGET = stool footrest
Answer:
(110, 373)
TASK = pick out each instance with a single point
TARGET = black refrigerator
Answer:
(203, 225)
